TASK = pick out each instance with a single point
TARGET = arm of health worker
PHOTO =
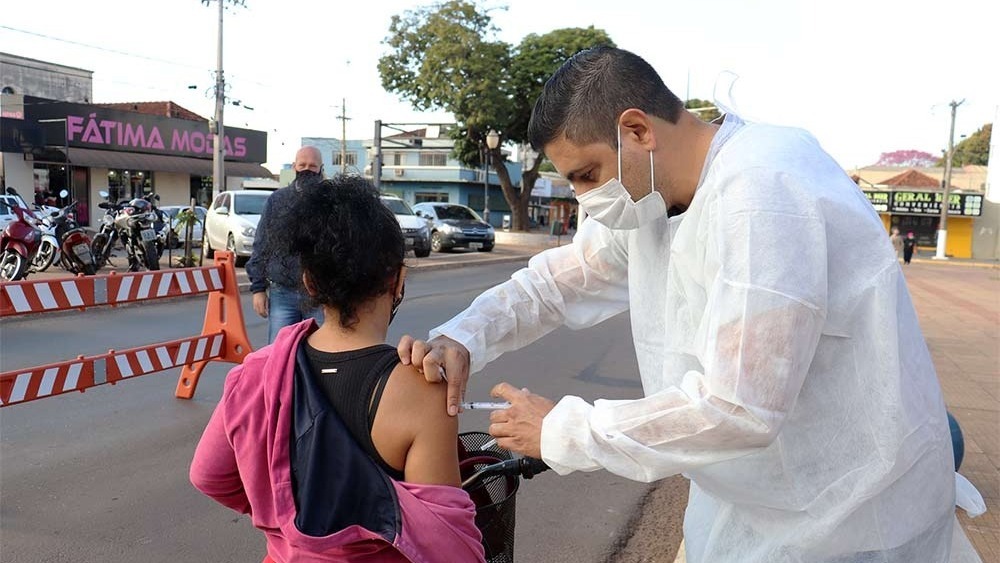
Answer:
(579, 285)
(765, 282)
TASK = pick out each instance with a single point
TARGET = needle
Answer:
(483, 405)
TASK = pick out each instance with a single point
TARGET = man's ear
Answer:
(637, 125)
(310, 286)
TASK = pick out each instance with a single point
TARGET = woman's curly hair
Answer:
(348, 242)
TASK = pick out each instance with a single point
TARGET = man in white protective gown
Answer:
(783, 367)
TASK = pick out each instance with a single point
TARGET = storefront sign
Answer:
(925, 203)
(879, 200)
(94, 127)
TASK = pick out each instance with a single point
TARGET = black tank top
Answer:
(353, 381)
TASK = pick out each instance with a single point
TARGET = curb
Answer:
(243, 284)
(968, 263)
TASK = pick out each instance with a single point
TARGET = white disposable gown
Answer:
(783, 367)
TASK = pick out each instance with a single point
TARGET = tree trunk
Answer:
(517, 198)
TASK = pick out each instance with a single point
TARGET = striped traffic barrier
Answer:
(28, 296)
(223, 336)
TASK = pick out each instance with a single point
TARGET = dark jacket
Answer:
(264, 266)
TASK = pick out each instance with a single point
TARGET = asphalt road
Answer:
(102, 475)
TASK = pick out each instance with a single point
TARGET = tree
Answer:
(707, 110)
(974, 149)
(446, 57)
(906, 159)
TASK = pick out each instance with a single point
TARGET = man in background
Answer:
(276, 281)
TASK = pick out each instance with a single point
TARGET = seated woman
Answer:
(336, 450)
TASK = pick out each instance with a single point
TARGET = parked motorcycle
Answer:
(107, 235)
(19, 242)
(74, 250)
(134, 224)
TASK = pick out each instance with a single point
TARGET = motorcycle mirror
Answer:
(103, 194)
(156, 197)
(104, 205)
(63, 193)
(11, 191)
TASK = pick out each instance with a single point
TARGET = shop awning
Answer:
(161, 163)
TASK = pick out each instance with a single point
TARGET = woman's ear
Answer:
(310, 286)
(400, 282)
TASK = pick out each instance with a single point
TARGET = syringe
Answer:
(483, 405)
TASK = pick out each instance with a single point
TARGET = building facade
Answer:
(61, 141)
(911, 202)
(418, 166)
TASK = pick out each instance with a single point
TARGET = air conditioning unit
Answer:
(399, 171)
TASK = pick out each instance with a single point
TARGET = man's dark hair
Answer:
(348, 242)
(585, 97)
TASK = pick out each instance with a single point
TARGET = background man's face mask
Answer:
(307, 177)
(612, 205)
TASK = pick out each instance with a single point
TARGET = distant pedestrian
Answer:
(897, 242)
(276, 280)
(909, 245)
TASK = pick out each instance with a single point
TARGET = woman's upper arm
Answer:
(433, 456)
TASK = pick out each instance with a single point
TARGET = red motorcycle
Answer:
(72, 243)
(18, 243)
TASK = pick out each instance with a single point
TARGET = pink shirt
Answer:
(242, 461)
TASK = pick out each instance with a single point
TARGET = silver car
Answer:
(232, 220)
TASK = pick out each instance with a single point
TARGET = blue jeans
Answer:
(285, 307)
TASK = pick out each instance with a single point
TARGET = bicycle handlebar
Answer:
(525, 467)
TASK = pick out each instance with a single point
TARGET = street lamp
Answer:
(492, 142)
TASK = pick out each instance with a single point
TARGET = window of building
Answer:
(352, 159)
(129, 184)
(421, 197)
(433, 159)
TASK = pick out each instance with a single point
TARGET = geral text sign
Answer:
(925, 203)
(94, 127)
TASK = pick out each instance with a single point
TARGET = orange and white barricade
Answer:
(223, 336)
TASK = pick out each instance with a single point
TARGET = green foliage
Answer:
(706, 114)
(446, 56)
(974, 149)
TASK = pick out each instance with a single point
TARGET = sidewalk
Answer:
(959, 312)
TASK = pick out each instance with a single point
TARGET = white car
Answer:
(180, 231)
(9, 201)
(415, 229)
(232, 220)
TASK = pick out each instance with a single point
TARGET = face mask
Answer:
(306, 177)
(396, 303)
(612, 206)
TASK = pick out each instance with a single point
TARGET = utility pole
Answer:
(218, 130)
(942, 234)
(216, 127)
(343, 135)
(377, 163)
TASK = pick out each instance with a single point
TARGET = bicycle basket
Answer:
(493, 496)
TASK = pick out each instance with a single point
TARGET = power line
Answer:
(105, 49)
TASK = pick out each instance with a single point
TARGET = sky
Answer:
(863, 76)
